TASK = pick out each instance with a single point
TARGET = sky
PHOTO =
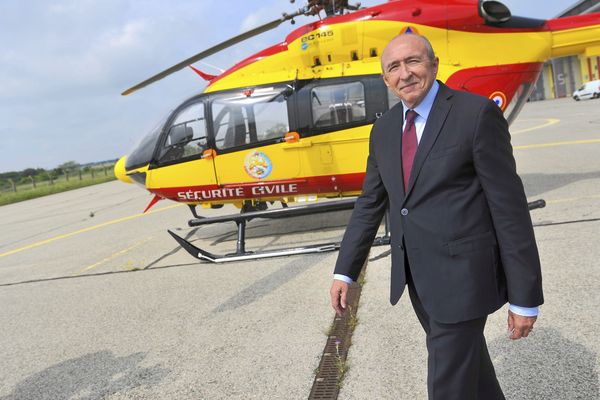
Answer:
(64, 63)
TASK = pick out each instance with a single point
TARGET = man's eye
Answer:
(413, 61)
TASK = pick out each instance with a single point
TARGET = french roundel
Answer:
(500, 99)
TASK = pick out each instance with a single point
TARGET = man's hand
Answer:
(339, 293)
(519, 326)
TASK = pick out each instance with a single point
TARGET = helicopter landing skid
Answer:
(241, 219)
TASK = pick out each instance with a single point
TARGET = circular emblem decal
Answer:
(500, 99)
(304, 46)
(258, 165)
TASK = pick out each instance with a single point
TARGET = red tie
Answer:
(409, 146)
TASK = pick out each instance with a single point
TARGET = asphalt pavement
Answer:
(98, 301)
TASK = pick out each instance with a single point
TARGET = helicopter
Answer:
(291, 123)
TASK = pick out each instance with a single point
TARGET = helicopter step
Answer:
(286, 212)
(241, 219)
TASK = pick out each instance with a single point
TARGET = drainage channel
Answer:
(331, 370)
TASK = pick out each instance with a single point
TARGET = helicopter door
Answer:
(181, 171)
(339, 125)
(248, 130)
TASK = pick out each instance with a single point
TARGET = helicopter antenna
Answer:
(212, 66)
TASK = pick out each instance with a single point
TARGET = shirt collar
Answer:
(426, 104)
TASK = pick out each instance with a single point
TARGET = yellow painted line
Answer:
(112, 256)
(549, 121)
(84, 230)
(571, 199)
(555, 144)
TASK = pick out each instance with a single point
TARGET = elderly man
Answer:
(462, 238)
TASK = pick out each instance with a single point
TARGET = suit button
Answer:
(404, 212)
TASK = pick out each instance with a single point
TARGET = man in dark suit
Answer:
(461, 233)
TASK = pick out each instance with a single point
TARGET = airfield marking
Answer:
(112, 256)
(555, 144)
(549, 121)
(84, 230)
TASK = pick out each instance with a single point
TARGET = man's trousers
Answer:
(458, 365)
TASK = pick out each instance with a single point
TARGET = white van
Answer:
(590, 90)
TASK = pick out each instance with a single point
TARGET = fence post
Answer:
(92, 173)
(67, 175)
(105, 169)
(32, 181)
(79, 172)
(14, 186)
(51, 180)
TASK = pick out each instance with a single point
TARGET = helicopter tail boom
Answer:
(575, 35)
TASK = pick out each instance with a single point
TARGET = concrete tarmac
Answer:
(561, 164)
(98, 302)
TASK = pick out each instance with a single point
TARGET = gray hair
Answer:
(426, 42)
(428, 47)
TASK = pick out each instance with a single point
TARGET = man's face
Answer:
(407, 69)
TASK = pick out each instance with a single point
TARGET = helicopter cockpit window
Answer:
(338, 104)
(250, 116)
(187, 134)
(144, 150)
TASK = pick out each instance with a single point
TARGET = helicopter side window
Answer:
(230, 124)
(248, 117)
(338, 104)
(187, 134)
(271, 119)
(392, 99)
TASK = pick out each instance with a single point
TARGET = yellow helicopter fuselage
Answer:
(325, 78)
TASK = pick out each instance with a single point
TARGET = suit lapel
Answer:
(433, 126)
(395, 132)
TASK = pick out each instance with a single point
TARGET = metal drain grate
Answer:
(326, 385)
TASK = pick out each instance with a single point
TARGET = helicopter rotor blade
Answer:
(215, 49)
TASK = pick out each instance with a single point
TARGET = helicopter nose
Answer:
(121, 172)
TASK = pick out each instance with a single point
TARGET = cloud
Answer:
(257, 18)
(64, 64)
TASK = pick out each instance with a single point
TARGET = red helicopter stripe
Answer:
(508, 76)
(452, 15)
(321, 185)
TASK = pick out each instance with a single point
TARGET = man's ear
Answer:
(385, 80)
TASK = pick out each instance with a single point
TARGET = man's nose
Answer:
(404, 72)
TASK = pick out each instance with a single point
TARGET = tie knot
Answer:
(410, 116)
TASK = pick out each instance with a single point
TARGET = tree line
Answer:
(65, 170)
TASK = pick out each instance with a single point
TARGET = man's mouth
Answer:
(410, 85)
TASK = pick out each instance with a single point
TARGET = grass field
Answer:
(26, 192)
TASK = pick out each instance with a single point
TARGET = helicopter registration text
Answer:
(317, 36)
(239, 192)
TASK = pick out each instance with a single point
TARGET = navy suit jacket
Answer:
(463, 221)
